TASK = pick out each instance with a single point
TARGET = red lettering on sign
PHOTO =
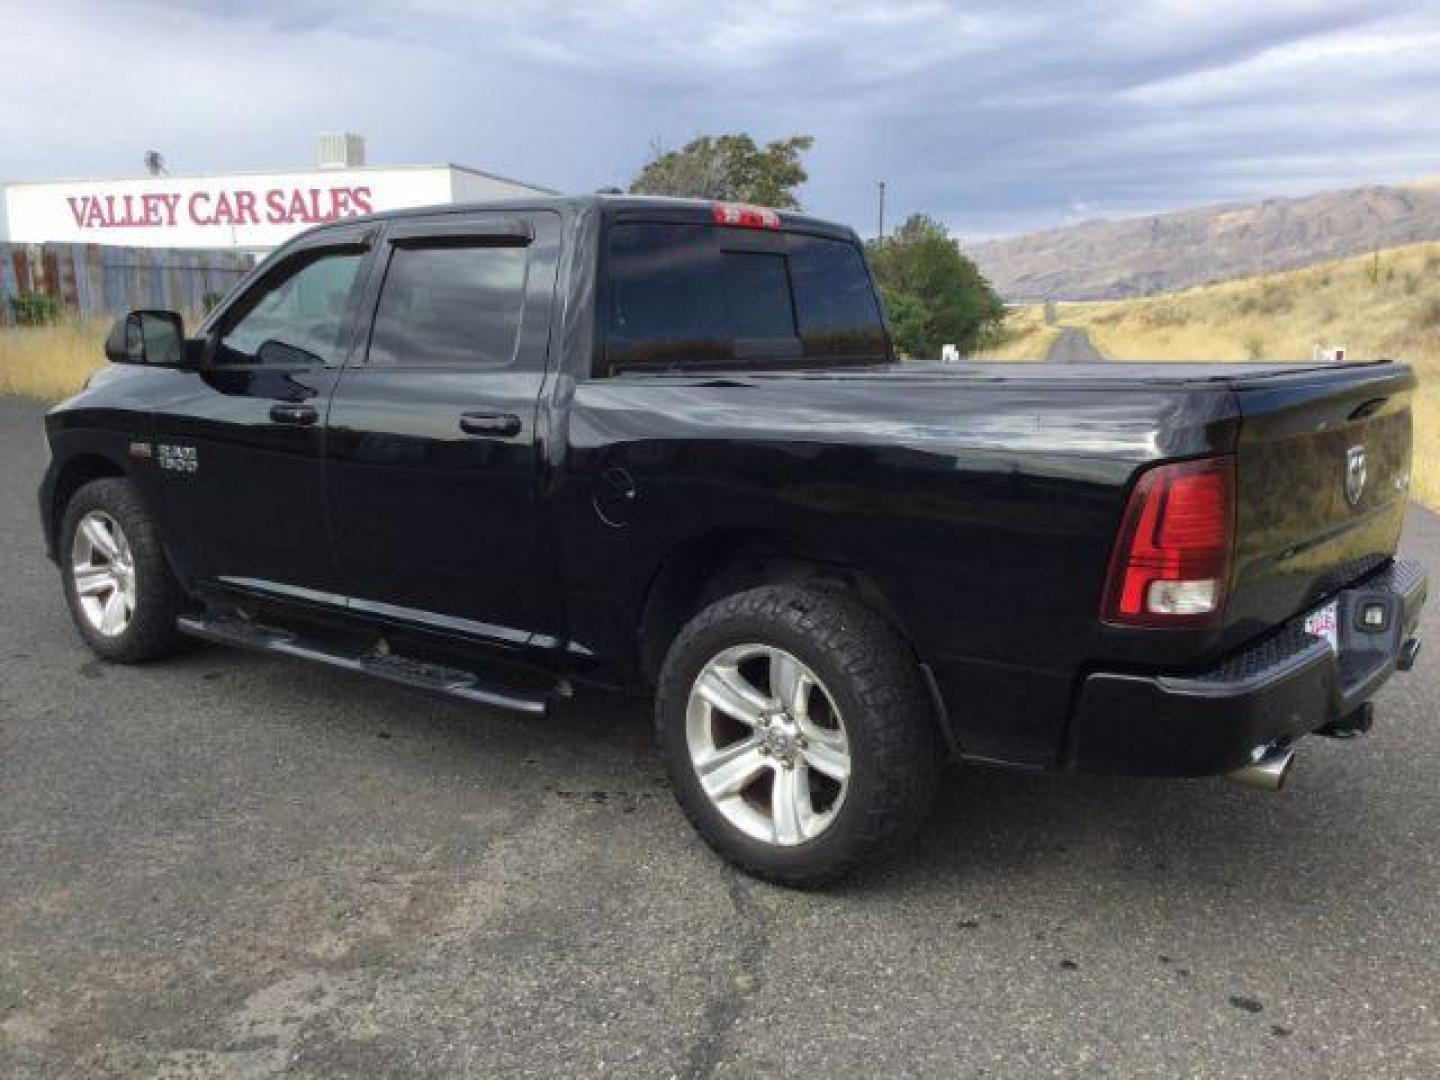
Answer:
(245, 208)
(224, 211)
(157, 209)
(194, 206)
(297, 207)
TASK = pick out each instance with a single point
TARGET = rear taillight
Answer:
(1172, 557)
(745, 216)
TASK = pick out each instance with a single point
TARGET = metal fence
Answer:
(97, 279)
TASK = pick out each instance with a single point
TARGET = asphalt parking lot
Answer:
(230, 865)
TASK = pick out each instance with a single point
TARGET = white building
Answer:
(249, 211)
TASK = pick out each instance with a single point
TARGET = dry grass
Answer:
(50, 362)
(1384, 305)
(1023, 337)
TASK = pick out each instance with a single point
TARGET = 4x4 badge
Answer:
(1354, 474)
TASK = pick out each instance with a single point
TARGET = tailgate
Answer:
(1322, 476)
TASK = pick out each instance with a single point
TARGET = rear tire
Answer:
(122, 594)
(808, 716)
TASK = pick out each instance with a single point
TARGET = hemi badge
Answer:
(141, 450)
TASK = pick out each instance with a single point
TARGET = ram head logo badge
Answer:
(1354, 474)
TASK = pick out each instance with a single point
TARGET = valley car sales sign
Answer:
(254, 211)
(241, 206)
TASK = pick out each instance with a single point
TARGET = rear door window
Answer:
(450, 304)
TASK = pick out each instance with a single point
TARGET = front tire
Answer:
(122, 594)
(797, 732)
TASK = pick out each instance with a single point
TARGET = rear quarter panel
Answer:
(984, 511)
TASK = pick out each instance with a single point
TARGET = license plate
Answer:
(1324, 622)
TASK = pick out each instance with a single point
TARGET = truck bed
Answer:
(1235, 374)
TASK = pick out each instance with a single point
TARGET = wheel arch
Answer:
(75, 473)
(720, 563)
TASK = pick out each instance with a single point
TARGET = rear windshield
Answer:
(700, 295)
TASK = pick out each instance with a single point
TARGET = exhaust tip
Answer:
(1268, 772)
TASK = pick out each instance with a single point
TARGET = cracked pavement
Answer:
(229, 865)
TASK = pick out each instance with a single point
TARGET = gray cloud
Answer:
(994, 117)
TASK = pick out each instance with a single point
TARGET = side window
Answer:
(448, 304)
(296, 316)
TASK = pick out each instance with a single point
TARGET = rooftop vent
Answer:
(340, 150)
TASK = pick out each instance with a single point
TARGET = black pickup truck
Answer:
(500, 451)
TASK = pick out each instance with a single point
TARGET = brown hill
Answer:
(1162, 252)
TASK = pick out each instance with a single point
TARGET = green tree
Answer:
(728, 167)
(933, 294)
(907, 316)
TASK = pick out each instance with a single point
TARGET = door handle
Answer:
(285, 413)
(502, 425)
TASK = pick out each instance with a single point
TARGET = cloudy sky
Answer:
(997, 118)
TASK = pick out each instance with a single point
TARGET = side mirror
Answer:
(147, 337)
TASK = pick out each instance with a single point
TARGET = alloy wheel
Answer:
(103, 571)
(768, 744)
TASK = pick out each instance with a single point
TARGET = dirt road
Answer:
(1073, 347)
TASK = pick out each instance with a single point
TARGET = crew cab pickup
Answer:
(503, 451)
